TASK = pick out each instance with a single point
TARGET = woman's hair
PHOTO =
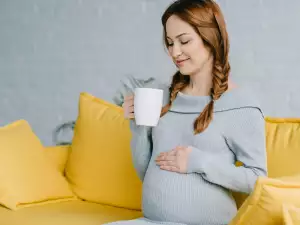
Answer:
(206, 18)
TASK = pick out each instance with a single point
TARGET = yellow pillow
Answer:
(291, 214)
(264, 205)
(283, 146)
(58, 155)
(100, 166)
(27, 176)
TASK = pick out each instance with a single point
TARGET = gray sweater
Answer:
(203, 195)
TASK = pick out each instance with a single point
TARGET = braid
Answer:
(179, 82)
(221, 71)
(220, 81)
(220, 85)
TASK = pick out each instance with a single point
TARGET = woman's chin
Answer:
(184, 71)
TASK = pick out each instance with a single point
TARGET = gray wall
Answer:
(52, 50)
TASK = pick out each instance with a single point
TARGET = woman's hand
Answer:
(175, 160)
(128, 107)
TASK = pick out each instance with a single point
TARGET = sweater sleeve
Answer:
(246, 139)
(141, 147)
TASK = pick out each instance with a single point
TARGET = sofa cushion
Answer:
(264, 205)
(100, 167)
(58, 155)
(27, 176)
(66, 213)
(283, 146)
(291, 214)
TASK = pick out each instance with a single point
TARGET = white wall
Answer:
(50, 51)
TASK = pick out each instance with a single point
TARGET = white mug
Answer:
(147, 106)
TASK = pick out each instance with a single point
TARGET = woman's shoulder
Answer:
(239, 98)
(241, 108)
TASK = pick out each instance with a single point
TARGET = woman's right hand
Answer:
(128, 107)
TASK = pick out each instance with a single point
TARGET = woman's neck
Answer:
(200, 84)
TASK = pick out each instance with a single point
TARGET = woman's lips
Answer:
(181, 62)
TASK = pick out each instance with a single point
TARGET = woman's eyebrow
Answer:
(178, 35)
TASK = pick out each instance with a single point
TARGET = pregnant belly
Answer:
(185, 198)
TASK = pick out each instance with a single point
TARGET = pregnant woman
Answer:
(187, 162)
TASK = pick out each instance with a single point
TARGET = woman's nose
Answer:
(176, 51)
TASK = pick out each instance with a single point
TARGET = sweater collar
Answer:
(233, 99)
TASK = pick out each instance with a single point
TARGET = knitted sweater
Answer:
(202, 196)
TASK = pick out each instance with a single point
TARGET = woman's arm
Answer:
(246, 139)
(141, 148)
(141, 142)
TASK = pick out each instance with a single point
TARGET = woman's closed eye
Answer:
(182, 42)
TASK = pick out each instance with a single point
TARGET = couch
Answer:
(102, 182)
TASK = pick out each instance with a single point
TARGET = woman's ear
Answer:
(231, 84)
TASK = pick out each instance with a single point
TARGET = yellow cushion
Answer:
(100, 166)
(283, 146)
(291, 215)
(66, 213)
(264, 205)
(58, 155)
(27, 177)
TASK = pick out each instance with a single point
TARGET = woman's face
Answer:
(186, 47)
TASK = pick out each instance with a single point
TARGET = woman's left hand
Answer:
(175, 160)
